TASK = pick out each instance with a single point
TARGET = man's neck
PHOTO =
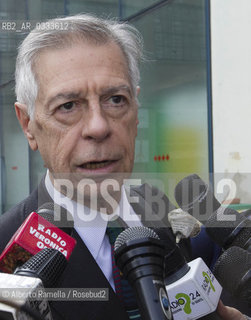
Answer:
(94, 200)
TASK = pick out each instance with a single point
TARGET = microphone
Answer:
(192, 289)
(25, 287)
(233, 270)
(230, 233)
(47, 265)
(225, 226)
(32, 236)
(196, 197)
(139, 254)
(14, 298)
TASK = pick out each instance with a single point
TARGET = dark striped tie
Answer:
(123, 289)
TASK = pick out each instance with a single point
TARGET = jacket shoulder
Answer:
(11, 220)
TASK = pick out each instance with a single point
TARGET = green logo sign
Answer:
(184, 299)
(208, 280)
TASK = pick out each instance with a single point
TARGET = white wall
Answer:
(231, 89)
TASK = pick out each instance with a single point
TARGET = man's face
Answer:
(85, 120)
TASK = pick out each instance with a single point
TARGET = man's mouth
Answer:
(96, 164)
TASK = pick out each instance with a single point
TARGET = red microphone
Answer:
(35, 234)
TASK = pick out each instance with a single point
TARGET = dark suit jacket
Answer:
(82, 270)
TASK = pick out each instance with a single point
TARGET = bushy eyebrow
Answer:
(115, 89)
(67, 96)
(64, 96)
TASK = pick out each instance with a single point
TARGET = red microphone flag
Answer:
(32, 236)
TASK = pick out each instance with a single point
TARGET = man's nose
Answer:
(97, 126)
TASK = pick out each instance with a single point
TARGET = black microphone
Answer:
(23, 290)
(233, 270)
(47, 265)
(225, 226)
(196, 197)
(139, 254)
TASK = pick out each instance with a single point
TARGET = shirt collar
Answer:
(91, 225)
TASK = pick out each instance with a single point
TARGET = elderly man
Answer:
(77, 86)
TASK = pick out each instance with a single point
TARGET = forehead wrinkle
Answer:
(42, 96)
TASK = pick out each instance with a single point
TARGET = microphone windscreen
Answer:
(134, 233)
(139, 253)
(232, 270)
(223, 222)
(196, 197)
(47, 265)
(243, 239)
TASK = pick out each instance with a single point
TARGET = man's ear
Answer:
(25, 122)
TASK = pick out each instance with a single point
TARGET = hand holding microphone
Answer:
(225, 226)
(183, 224)
(228, 313)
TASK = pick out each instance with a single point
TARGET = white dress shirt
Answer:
(91, 225)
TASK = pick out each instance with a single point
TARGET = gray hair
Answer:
(57, 33)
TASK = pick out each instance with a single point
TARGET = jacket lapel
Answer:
(82, 271)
